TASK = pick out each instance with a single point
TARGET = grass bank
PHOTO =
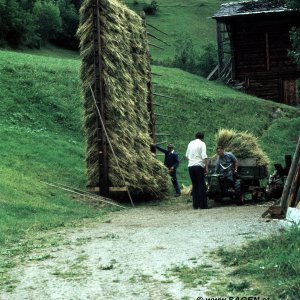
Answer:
(41, 140)
(189, 18)
(267, 267)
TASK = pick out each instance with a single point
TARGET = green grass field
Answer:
(268, 267)
(181, 19)
(41, 140)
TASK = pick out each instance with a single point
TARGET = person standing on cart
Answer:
(227, 165)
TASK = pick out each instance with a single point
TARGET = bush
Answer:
(188, 59)
(295, 35)
(295, 52)
(186, 56)
(17, 25)
(70, 21)
(29, 23)
(208, 60)
(151, 8)
(48, 18)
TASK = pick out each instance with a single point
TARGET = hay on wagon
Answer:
(126, 73)
(243, 144)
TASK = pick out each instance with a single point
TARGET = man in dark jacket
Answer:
(171, 162)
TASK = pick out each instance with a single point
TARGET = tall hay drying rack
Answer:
(97, 90)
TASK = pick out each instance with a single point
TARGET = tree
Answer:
(186, 57)
(77, 4)
(70, 21)
(49, 22)
(151, 8)
(17, 25)
(295, 34)
(27, 4)
(29, 23)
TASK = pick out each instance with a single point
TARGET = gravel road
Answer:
(128, 255)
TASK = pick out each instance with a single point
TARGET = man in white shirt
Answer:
(198, 168)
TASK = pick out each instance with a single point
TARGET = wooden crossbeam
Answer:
(212, 72)
(160, 115)
(111, 189)
(157, 38)
(163, 96)
(156, 46)
(156, 29)
(83, 193)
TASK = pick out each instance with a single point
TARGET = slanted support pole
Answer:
(289, 179)
(99, 95)
(220, 47)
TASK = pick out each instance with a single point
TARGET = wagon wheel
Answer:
(239, 195)
(217, 198)
(254, 197)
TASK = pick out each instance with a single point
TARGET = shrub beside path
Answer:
(130, 253)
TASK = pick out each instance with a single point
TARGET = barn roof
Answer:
(251, 7)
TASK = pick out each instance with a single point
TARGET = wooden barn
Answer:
(253, 44)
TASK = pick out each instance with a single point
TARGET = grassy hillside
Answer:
(181, 19)
(41, 140)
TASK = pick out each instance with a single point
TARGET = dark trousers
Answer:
(199, 188)
(175, 182)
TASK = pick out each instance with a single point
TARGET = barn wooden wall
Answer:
(260, 57)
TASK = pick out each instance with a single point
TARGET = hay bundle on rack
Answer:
(126, 73)
(242, 144)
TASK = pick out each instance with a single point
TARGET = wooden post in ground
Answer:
(294, 187)
(290, 177)
(100, 100)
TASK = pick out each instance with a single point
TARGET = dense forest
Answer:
(32, 23)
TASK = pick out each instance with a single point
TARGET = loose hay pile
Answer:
(126, 73)
(242, 144)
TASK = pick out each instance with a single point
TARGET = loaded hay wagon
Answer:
(249, 175)
(252, 168)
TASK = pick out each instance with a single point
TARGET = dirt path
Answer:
(128, 255)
